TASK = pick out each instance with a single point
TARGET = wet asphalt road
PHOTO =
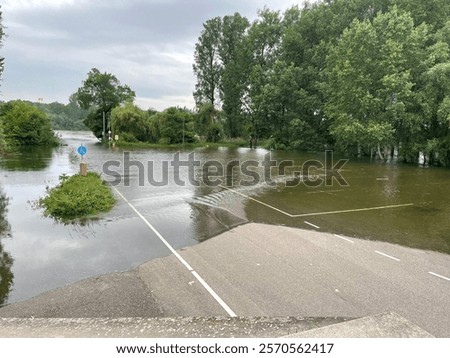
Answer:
(260, 270)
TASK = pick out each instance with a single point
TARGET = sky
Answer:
(51, 45)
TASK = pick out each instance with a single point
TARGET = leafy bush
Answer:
(78, 197)
(127, 138)
(173, 126)
(24, 124)
(214, 133)
(130, 122)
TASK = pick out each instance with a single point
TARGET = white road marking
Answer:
(324, 192)
(352, 210)
(318, 213)
(258, 201)
(440, 276)
(344, 238)
(180, 258)
(315, 226)
(388, 256)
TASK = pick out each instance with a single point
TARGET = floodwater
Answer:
(403, 204)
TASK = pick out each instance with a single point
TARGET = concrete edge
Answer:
(385, 325)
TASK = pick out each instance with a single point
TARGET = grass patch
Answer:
(78, 197)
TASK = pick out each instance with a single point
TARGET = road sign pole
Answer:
(82, 150)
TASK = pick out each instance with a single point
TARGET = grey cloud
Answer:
(148, 45)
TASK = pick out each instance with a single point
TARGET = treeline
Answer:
(65, 116)
(112, 113)
(363, 76)
(172, 126)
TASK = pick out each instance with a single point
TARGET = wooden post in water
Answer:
(83, 169)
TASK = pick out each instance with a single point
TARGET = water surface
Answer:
(38, 254)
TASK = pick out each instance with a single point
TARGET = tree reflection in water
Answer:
(6, 261)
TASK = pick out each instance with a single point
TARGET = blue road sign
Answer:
(82, 150)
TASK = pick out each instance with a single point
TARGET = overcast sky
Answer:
(147, 44)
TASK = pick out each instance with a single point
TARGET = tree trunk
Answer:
(379, 152)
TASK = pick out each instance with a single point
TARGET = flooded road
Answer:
(390, 202)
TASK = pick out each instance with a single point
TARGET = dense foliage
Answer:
(78, 197)
(24, 124)
(172, 126)
(363, 76)
(101, 93)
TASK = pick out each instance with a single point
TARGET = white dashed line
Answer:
(440, 276)
(344, 238)
(314, 226)
(388, 256)
(180, 258)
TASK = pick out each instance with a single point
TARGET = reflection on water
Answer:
(48, 254)
(4, 226)
(424, 225)
(27, 159)
(6, 261)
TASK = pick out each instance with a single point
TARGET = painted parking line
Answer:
(344, 238)
(388, 256)
(440, 276)
(318, 213)
(181, 259)
(310, 224)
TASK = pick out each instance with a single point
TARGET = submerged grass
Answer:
(78, 197)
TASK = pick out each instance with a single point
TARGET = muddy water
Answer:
(38, 254)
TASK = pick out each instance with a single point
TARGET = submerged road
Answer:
(259, 270)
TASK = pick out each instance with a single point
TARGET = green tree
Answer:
(131, 123)
(205, 118)
(434, 139)
(370, 81)
(173, 126)
(362, 75)
(431, 12)
(209, 123)
(207, 65)
(235, 68)
(24, 124)
(102, 92)
(264, 39)
(308, 36)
